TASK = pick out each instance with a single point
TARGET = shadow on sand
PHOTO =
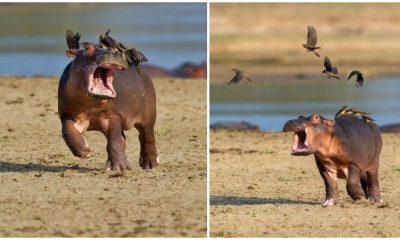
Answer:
(33, 167)
(238, 201)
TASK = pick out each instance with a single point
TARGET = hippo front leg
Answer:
(116, 159)
(148, 152)
(331, 187)
(74, 139)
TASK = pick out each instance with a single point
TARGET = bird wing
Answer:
(335, 70)
(367, 118)
(245, 76)
(235, 80)
(341, 111)
(123, 46)
(327, 64)
(72, 39)
(311, 37)
(360, 80)
(354, 72)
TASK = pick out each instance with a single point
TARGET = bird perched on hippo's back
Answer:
(345, 111)
(107, 41)
(135, 57)
(132, 55)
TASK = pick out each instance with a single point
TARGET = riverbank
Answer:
(47, 192)
(259, 190)
(362, 36)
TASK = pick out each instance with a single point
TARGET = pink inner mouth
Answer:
(101, 81)
(300, 144)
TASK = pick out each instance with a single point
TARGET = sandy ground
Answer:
(259, 190)
(264, 39)
(46, 191)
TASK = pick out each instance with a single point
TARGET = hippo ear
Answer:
(329, 122)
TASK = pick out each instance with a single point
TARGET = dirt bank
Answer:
(259, 190)
(46, 191)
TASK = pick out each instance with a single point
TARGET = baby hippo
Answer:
(345, 147)
(100, 91)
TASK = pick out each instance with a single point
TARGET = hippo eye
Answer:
(316, 117)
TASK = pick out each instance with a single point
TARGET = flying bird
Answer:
(240, 75)
(329, 70)
(311, 44)
(360, 78)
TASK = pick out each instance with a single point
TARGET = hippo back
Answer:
(358, 135)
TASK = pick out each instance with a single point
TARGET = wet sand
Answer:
(259, 190)
(47, 192)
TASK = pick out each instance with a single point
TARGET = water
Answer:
(32, 36)
(270, 105)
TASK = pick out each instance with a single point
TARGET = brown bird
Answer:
(356, 113)
(368, 119)
(311, 44)
(240, 75)
(135, 57)
(72, 39)
(360, 78)
(341, 111)
(107, 41)
(329, 70)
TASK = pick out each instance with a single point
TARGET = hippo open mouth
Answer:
(300, 145)
(101, 80)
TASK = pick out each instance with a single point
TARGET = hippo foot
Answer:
(375, 200)
(148, 163)
(117, 165)
(328, 203)
(82, 153)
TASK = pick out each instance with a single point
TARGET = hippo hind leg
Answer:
(116, 143)
(353, 185)
(373, 186)
(74, 139)
(364, 184)
(148, 151)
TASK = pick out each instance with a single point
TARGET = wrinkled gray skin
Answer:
(128, 101)
(344, 147)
